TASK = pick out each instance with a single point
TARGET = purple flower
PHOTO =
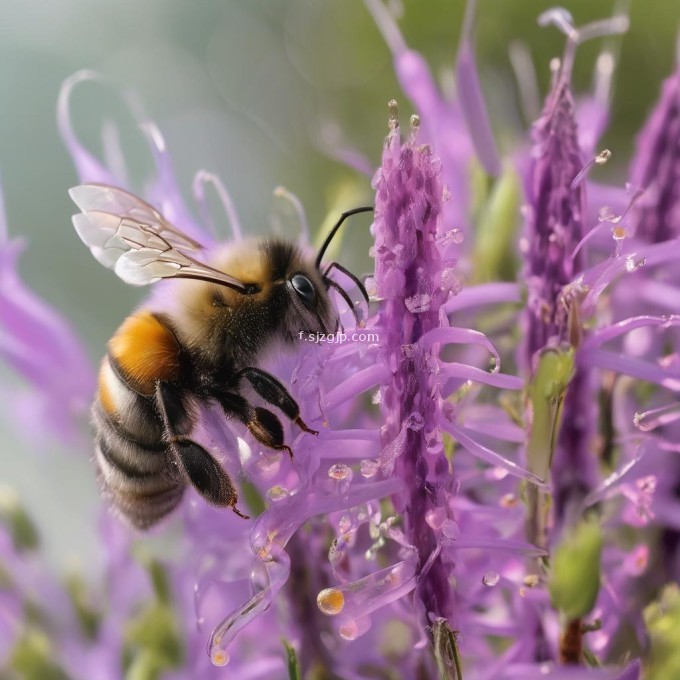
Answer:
(40, 346)
(409, 536)
(655, 166)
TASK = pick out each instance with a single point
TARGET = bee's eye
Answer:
(304, 288)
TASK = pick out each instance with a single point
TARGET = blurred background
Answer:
(256, 92)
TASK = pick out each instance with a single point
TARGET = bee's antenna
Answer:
(334, 230)
(343, 293)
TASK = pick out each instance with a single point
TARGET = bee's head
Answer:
(300, 302)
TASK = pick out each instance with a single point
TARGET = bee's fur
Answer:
(168, 360)
(159, 366)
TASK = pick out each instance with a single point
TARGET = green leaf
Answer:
(663, 623)
(31, 658)
(547, 390)
(88, 616)
(446, 652)
(153, 642)
(493, 256)
(292, 660)
(146, 665)
(575, 576)
(546, 394)
(252, 498)
(22, 529)
(155, 630)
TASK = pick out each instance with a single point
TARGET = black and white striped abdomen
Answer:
(135, 469)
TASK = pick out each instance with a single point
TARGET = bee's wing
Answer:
(131, 237)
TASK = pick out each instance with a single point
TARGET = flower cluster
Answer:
(450, 518)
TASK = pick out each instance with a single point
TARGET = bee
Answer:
(227, 309)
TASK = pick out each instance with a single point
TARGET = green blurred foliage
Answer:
(575, 576)
(663, 622)
(248, 90)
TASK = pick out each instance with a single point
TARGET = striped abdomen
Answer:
(135, 467)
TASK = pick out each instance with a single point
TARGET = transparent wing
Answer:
(131, 237)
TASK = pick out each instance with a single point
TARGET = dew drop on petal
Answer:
(340, 471)
(450, 529)
(632, 264)
(606, 214)
(368, 468)
(345, 524)
(219, 657)
(330, 601)
(446, 238)
(371, 287)
(435, 518)
(450, 281)
(496, 473)
(491, 578)
(349, 631)
(417, 304)
(270, 463)
(277, 493)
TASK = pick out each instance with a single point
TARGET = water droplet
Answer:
(277, 493)
(269, 463)
(415, 422)
(369, 468)
(491, 578)
(435, 518)
(345, 524)
(371, 286)
(632, 264)
(330, 601)
(446, 238)
(450, 282)
(606, 214)
(450, 529)
(219, 657)
(340, 471)
(496, 473)
(417, 304)
(349, 631)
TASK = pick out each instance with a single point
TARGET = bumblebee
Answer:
(227, 309)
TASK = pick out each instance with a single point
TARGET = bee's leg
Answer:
(262, 424)
(204, 472)
(272, 391)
